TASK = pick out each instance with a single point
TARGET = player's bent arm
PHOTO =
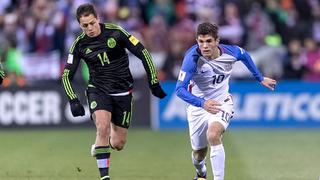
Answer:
(188, 68)
(149, 67)
(185, 95)
(67, 76)
(245, 58)
(137, 49)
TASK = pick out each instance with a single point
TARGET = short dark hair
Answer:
(207, 28)
(86, 10)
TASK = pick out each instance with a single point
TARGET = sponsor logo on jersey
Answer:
(88, 51)
(133, 40)
(70, 59)
(111, 42)
(182, 75)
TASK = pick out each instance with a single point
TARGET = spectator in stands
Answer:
(231, 27)
(313, 60)
(294, 61)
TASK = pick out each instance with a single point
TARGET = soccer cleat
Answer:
(198, 177)
(93, 150)
(105, 178)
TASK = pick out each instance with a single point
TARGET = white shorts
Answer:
(198, 120)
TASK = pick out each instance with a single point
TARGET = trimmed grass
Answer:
(252, 154)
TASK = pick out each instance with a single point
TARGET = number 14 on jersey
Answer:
(103, 58)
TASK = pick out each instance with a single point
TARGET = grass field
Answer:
(261, 154)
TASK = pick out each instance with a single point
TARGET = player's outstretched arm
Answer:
(269, 83)
(69, 70)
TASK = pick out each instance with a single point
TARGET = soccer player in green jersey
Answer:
(103, 48)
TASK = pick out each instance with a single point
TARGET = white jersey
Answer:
(201, 79)
(211, 80)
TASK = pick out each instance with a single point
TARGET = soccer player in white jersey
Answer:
(204, 84)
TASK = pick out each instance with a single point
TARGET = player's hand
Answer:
(212, 106)
(76, 108)
(269, 83)
(157, 91)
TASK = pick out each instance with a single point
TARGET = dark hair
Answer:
(86, 10)
(208, 29)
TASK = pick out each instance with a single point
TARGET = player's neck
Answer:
(216, 53)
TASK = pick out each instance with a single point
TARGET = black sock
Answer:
(103, 160)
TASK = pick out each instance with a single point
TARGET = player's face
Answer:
(90, 25)
(208, 45)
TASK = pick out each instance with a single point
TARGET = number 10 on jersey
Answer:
(218, 78)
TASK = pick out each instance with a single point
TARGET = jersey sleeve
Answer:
(188, 68)
(136, 48)
(245, 58)
(69, 71)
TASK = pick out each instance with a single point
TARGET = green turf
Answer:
(262, 154)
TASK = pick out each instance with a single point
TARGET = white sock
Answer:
(200, 166)
(217, 158)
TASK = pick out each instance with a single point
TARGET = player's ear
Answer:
(218, 40)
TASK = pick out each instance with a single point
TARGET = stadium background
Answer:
(273, 136)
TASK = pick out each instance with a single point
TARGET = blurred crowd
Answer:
(283, 36)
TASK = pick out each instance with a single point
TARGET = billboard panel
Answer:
(293, 104)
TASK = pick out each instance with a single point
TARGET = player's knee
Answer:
(118, 144)
(199, 155)
(214, 137)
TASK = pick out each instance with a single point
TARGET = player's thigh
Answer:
(198, 125)
(121, 118)
(122, 111)
(101, 106)
(102, 119)
(223, 117)
(98, 100)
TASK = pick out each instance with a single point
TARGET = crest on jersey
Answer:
(182, 75)
(93, 104)
(111, 42)
(228, 67)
